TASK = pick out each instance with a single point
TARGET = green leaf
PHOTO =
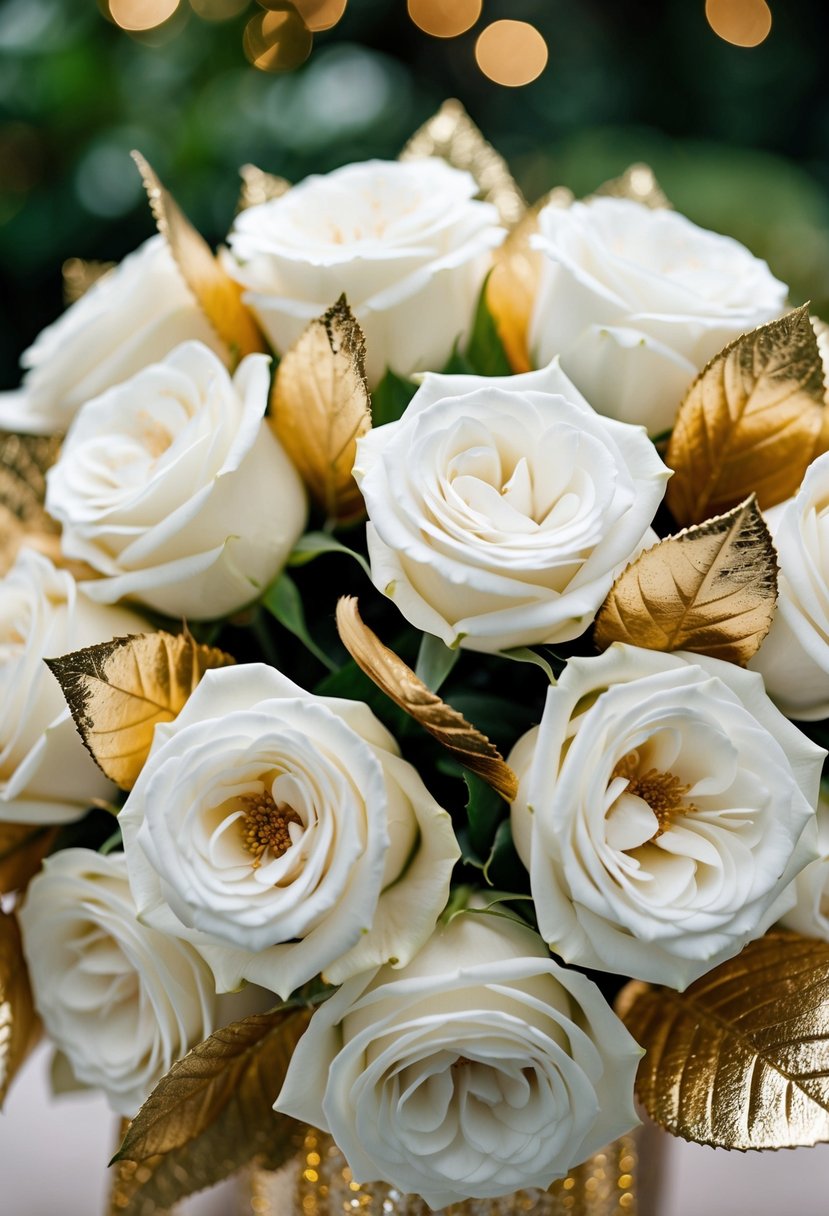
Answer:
(314, 544)
(485, 809)
(503, 868)
(434, 661)
(283, 601)
(523, 654)
(485, 351)
(390, 398)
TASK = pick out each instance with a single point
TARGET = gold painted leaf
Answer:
(118, 691)
(79, 275)
(711, 588)
(750, 423)
(466, 744)
(638, 183)
(741, 1058)
(260, 187)
(320, 407)
(212, 1114)
(24, 460)
(18, 1021)
(22, 848)
(452, 136)
(218, 295)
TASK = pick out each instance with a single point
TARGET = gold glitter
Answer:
(265, 826)
(663, 792)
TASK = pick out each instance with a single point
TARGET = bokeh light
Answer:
(444, 18)
(740, 22)
(278, 39)
(511, 53)
(319, 14)
(218, 10)
(141, 14)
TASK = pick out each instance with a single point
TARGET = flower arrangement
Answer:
(260, 869)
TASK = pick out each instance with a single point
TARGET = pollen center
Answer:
(664, 793)
(265, 826)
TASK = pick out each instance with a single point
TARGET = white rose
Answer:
(636, 301)
(407, 243)
(501, 509)
(121, 1001)
(46, 773)
(283, 835)
(130, 318)
(664, 808)
(810, 914)
(483, 1067)
(794, 656)
(174, 487)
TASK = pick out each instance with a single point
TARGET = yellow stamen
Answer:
(265, 826)
(663, 792)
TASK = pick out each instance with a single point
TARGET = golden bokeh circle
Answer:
(141, 14)
(278, 39)
(319, 14)
(444, 18)
(512, 53)
(740, 22)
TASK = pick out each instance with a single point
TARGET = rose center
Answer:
(265, 826)
(664, 792)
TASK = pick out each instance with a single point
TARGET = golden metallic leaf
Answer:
(711, 588)
(320, 406)
(18, 1021)
(22, 848)
(218, 295)
(466, 744)
(24, 460)
(750, 422)
(638, 183)
(79, 275)
(741, 1058)
(118, 691)
(260, 187)
(212, 1114)
(452, 135)
(513, 282)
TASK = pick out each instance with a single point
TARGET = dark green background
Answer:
(738, 137)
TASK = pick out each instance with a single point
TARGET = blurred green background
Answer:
(738, 137)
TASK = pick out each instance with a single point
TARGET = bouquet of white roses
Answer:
(573, 461)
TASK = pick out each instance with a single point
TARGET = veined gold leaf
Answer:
(24, 460)
(711, 588)
(741, 1058)
(212, 1114)
(118, 691)
(79, 275)
(468, 746)
(18, 1021)
(638, 183)
(260, 187)
(452, 135)
(320, 407)
(22, 848)
(750, 422)
(219, 296)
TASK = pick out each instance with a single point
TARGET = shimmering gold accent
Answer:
(79, 275)
(24, 460)
(260, 187)
(452, 135)
(265, 826)
(118, 691)
(739, 1060)
(218, 295)
(663, 792)
(468, 746)
(711, 588)
(18, 1021)
(751, 422)
(638, 183)
(320, 407)
(22, 848)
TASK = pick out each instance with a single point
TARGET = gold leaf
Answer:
(24, 460)
(320, 407)
(18, 1021)
(218, 295)
(79, 275)
(741, 1058)
(468, 746)
(452, 135)
(22, 848)
(711, 588)
(118, 691)
(638, 183)
(212, 1114)
(260, 187)
(750, 422)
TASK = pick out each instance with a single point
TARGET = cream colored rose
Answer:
(794, 656)
(664, 808)
(500, 510)
(480, 1068)
(636, 301)
(407, 243)
(174, 487)
(120, 1000)
(130, 318)
(810, 914)
(284, 836)
(46, 773)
